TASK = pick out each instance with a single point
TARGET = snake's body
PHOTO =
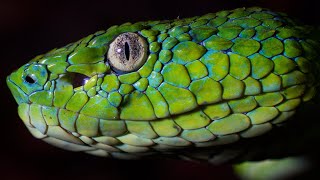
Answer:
(207, 81)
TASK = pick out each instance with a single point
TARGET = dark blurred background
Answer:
(29, 28)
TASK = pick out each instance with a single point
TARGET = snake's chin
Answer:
(48, 129)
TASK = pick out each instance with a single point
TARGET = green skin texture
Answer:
(208, 81)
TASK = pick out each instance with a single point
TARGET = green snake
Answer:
(185, 87)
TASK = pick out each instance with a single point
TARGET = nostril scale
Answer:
(30, 79)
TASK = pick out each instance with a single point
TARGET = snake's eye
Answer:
(127, 52)
(78, 79)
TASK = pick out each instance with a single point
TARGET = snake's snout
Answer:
(26, 80)
(17, 93)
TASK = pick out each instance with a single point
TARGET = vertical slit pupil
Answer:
(127, 50)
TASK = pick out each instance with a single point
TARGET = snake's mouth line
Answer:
(52, 131)
(55, 134)
(114, 147)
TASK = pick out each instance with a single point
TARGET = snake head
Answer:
(157, 86)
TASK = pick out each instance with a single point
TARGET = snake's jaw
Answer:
(28, 85)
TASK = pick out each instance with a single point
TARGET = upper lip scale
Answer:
(14, 84)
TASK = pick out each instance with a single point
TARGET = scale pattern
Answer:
(208, 80)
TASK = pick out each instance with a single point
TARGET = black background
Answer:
(29, 28)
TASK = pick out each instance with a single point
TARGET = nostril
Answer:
(30, 79)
